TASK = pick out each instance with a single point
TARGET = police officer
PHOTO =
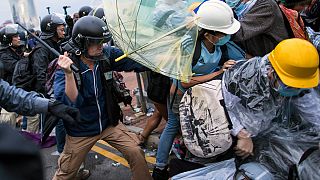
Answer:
(53, 31)
(11, 50)
(84, 11)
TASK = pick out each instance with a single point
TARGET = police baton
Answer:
(55, 52)
(65, 9)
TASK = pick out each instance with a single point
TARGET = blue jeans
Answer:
(168, 135)
(60, 136)
(24, 123)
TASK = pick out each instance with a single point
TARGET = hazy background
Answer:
(40, 5)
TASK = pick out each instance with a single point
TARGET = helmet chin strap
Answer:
(101, 57)
(18, 49)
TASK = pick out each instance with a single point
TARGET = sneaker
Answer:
(83, 174)
(55, 153)
(159, 174)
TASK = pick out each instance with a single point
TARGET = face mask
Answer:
(223, 40)
(233, 3)
(286, 91)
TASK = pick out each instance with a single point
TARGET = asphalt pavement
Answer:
(103, 161)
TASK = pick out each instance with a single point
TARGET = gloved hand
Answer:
(69, 21)
(49, 123)
(69, 114)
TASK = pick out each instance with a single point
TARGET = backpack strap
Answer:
(164, 18)
(225, 55)
(238, 162)
(197, 52)
(77, 75)
(223, 104)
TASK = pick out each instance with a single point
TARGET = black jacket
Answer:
(9, 59)
(41, 58)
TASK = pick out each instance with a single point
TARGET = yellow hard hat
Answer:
(296, 62)
(193, 6)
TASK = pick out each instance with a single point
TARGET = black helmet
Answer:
(90, 29)
(10, 30)
(49, 25)
(84, 11)
(97, 12)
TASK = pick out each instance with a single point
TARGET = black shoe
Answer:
(159, 174)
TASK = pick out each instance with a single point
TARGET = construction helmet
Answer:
(296, 62)
(216, 15)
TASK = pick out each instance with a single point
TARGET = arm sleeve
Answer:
(307, 107)
(40, 65)
(22, 102)
(125, 64)
(259, 20)
(59, 91)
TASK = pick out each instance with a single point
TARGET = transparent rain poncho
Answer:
(151, 32)
(283, 128)
(248, 96)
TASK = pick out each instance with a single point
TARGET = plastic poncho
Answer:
(286, 127)
(250, 101)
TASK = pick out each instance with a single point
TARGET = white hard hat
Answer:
(216, 15)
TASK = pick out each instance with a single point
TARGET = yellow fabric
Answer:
(296, 62)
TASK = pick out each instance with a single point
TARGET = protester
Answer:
(287, 71)
(95, 100)
(311, 16)
(216, 53)
(262, 25)
(291, 10)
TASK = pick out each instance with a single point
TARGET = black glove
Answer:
(69, 21)
(69, 114)
(49, 123)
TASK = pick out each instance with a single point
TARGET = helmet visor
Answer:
(96, 41)
(11, 29)
(58, 19)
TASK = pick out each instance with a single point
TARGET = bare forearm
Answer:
(200, 79)
(71, 87)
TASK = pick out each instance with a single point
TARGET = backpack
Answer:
(204, 122)
(23, 76)
(51, 71)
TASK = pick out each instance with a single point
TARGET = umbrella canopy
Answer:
(159, 34)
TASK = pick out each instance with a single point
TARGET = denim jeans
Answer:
(60, 136)
(169, 133)
(24, 123)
